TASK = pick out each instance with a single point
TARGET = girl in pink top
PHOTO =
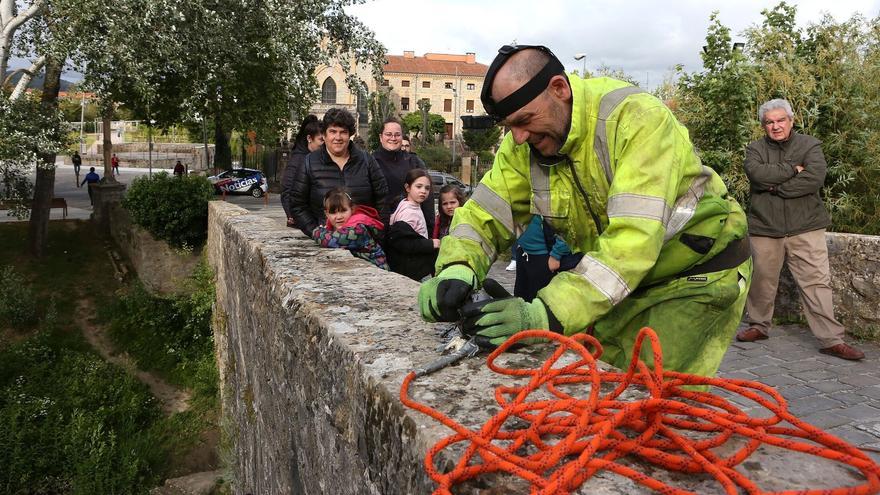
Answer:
(410, 251)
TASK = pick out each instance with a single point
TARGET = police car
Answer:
(240, 181)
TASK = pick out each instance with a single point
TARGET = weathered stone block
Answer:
(313, 345)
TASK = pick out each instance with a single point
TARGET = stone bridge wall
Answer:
(855, 279)
(312, 346)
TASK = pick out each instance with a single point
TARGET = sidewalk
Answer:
(842, 397)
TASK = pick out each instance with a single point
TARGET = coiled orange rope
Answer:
(558, 444)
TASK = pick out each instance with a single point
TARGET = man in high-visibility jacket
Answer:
(610, 168)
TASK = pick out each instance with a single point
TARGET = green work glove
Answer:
(495, 320)
(441, 297)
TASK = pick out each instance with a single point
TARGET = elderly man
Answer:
(787, 220)
(614, 173)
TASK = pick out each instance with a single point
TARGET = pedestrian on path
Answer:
(787, 222)
(114, 164)
(91, 179)
(77, 163)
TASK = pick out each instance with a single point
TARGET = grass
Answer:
(70, 422)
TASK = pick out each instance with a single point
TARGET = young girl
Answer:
(410, 251)
(352, 227)
(451, 198)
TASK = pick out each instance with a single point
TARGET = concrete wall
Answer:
(312, 346)
(855, 280)
(160, 268)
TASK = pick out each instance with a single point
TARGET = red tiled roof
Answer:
(421, 65)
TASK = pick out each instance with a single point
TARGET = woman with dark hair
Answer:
(395, 163)
(308, 139)
(337, 163)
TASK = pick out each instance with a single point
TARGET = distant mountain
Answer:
(37, 82)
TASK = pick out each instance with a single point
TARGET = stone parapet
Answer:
(855, 281)
(312, 347)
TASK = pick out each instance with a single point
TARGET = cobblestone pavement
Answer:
(842, 397)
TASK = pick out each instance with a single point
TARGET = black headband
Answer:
(527, 92)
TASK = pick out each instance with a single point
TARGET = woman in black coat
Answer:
(308, 139)
(338, 163)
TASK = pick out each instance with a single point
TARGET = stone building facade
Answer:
(452, 83)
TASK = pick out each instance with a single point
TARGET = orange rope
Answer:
(557, 445)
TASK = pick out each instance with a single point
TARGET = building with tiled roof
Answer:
(452, 83)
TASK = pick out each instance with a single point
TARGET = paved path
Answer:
(842, 397)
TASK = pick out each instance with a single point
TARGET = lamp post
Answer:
(582, 56)
(454, 111)
(82, 115)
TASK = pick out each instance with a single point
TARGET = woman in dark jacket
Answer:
(308, 139)
(338, 163)
(395, 163)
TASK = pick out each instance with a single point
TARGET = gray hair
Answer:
(776, 104)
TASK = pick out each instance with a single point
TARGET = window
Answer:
(469, 106)
(385, 82)
(328, 91)
(448, 85)
(404, 83)
(426, 84)
(448, 130)
(447, 105)
(471, 86)
(404, 103)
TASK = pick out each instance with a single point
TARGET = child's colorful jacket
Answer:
(359, 235)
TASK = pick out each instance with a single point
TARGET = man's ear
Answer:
(559, 87)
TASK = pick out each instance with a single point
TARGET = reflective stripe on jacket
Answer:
(629, 193)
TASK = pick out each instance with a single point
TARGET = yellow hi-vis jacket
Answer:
(630, 193)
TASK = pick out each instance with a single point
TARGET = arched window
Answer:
(328, 91)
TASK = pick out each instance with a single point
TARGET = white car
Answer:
(240, 181)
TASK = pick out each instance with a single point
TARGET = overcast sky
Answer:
(645, 38)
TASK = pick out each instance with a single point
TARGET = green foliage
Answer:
(27, 132)
(481, 140)
(71, 423)
(171, 335)
(18, 306)
(436, 156)
(414, 124)
(174, 209)
(829, 73)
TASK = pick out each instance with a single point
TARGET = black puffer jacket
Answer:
(395, 165)
(297, 157)
(319, 173)
(408, 252)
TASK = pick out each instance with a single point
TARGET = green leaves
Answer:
(828, 71)
(174, 209)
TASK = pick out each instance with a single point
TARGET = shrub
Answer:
(18, 304)
(71, 423)
(171, 335)
(174, 209)
(436, 156)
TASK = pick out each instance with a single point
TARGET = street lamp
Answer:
(454, 111)
(582, 56)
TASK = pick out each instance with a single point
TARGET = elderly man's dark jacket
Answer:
(783, 201)
(360, 176)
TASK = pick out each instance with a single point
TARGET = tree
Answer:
(414, 123)
(481, 140)
(829, 73)
(246, 68)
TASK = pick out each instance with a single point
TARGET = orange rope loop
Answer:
(558, 443)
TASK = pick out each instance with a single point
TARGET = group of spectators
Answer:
(378, 206)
